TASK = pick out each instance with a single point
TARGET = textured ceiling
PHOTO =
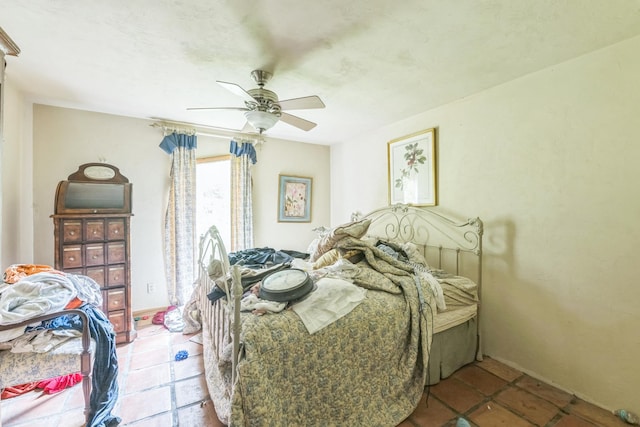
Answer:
(373, 62)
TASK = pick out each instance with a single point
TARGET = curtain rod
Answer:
(170, 126)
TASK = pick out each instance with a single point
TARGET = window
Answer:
(213, 196)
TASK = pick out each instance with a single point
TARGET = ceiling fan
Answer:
(262, 107)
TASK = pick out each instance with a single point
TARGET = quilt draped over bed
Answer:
(370, 366)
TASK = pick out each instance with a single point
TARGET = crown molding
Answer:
(7, 45)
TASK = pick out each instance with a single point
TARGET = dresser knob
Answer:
(72, 258)
(72, 233)
(116, 231)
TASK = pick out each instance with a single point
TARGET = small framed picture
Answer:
(294, 199)
(412, 169)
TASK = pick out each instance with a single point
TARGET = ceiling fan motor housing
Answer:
(261, 77)
(262, 107)
(266, 100)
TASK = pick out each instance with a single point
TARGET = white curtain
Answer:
(243, 156)
(179, 237)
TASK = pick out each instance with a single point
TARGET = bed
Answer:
(390, 334)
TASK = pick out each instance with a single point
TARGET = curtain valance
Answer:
(172, 141)
(243, 149)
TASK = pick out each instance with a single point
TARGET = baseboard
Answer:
(144, 317)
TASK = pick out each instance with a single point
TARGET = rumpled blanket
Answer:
(281, 363)
(459, 291)
(33, 296)
(87, 288)
(399, 278)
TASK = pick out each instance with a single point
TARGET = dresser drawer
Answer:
(71, 231)
(117, 320)
(94, 229)
(115, 229)
(97, 274)
(116, 275)
(96, 245)
(72, 256)
(115, 299)
(94, 254)
(116, 252)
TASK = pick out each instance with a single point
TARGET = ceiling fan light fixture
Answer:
(261, 120)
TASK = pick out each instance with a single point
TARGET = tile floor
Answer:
(157, 391)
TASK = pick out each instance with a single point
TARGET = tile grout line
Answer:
(557, 416)
(125, 377)
(170, 384)
(486, 398)
(174, 401)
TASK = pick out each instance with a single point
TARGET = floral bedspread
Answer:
(367, 368)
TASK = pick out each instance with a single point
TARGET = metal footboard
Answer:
(220, 319)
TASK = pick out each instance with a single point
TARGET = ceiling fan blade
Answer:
(219, 108)
(304, 103)
(234, 88)
(297, 121)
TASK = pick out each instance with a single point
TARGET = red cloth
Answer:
(54, 385)
(17, 390)
(158, 318)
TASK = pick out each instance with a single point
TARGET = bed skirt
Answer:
(452, 349)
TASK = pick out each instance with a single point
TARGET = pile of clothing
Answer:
(31, 290)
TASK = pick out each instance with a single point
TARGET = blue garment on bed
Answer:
(259, 257)
(104, 377)
(104, 381)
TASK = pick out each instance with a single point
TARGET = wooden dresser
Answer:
(92, 237)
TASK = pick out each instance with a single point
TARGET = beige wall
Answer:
(289, 158)
(65, 138)
(15, 246)
(550, 163)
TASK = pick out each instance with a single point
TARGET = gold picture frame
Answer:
(294, 199)
(412, 169)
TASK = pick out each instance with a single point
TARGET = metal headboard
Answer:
(445, 241)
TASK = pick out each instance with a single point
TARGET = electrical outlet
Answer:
(151, 288)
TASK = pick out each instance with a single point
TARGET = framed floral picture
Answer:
(294, 199)
(412, 169)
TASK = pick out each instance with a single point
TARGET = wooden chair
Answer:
(68, 358)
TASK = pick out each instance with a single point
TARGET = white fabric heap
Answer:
(331, 300)
(251, 302)
(32, 296)
(436, 288)
(88, 289)
(42, 340)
